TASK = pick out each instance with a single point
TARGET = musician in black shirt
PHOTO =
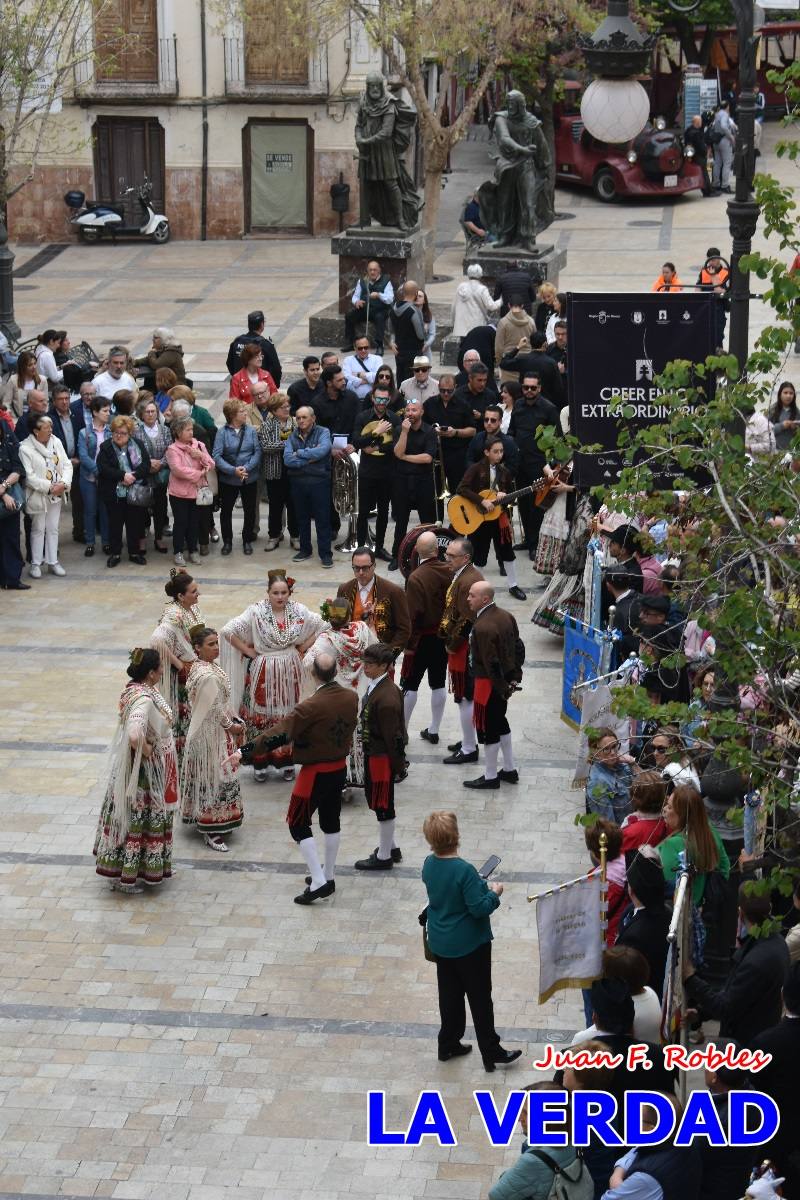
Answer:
(414, 451)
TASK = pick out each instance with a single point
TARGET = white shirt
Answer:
(387, 295)
(46, 364)
(373, 683)
(105, 385)
(366, 592)
(353, 366)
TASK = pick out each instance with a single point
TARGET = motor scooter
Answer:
(93, 220)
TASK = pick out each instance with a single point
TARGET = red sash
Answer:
(505, 528)
(171, 780)
(482, 695)
(380, 778)
(300, 802)
(457, 669)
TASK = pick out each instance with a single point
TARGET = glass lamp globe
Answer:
(615, 110)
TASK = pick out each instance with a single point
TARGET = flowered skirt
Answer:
(221, 812)
(182, 711)
(277, 691)
(564, 595)
(146, 850)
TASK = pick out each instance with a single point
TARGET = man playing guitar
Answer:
(490, 475)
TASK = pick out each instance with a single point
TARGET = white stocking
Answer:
(409, 703)
(468, 743)
(511, 573)
(508, 753)
(331, 850)
(438, 701)
(490, 752)
(385, 838)
(308, 850)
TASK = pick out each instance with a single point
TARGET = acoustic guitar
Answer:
(466, 516)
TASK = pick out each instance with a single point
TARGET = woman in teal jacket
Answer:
(460, 935)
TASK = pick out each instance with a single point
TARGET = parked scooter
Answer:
(94, 220)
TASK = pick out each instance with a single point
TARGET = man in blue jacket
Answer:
(307, 455)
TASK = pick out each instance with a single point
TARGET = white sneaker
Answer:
(34, 571)
(261, 775)
(56, 569)
(180, 561)
(194, 558)
(294, 543)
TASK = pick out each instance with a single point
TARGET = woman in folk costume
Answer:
(346, 641)
(173, 639)
(262, 655)
(134, 834)
(211, 798)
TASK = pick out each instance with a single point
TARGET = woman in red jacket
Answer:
(251, 372)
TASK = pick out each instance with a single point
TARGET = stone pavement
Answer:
(210, 1035)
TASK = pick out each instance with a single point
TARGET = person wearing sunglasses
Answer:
(492, 424)
(421, 386)
(608, 788)
(532, 413)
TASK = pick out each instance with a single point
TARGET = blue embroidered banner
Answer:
(583, 649)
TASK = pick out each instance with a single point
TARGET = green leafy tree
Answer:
(711, 15)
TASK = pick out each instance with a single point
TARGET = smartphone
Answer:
(491, 865)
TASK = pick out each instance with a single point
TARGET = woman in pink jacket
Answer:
(189, 462)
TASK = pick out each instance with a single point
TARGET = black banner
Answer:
(617, 345)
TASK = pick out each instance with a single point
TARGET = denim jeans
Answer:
(93, 510)
(312, 497)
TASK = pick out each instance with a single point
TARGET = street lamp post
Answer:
(615, 107)
(743, 211)
(7, 323)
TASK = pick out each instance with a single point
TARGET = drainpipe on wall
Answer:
(204, 167)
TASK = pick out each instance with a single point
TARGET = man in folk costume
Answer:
(383, 735)
(321, 730)
(454, 630)
(490, 474)
(381, 604)
(426, 591)
(494, 663)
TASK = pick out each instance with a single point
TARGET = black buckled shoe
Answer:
(455, 746)
(320, 893)
(373, 863)
(433, 738)
(461, 756)
(508, 776)
(482, 784)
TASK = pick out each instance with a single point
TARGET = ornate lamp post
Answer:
(743, 212)
(7, 323)
(615, 106)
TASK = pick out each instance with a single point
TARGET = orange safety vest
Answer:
(714, 280)
(658, 286)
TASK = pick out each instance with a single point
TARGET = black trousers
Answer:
(496, 721)
(467, 978)
(10, 557)
(530, 515)
(279, 497)
(184, 525)
(228, 495)
(326, 799)
(489, 535)
(373, 492)
(431, 657)
(160, 512)
(76, 503)
(122, 515)
(411, 492)
(404, 366)
(355, 317)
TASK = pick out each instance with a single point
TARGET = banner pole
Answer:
(603, 887)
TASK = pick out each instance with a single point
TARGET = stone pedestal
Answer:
(400, 254)
(543, 264)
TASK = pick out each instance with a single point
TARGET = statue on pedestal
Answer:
(515, 205)
(384, 127)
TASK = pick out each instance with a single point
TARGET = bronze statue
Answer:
(515, 206)
(384, 126)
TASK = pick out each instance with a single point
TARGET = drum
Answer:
(407, 558)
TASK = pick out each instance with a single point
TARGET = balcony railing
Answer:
(238, 82)
(121, 89)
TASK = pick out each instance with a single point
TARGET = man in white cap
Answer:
(421, 386)
(473, 303)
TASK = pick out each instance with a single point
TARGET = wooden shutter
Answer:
(269, 57)
(126, 37)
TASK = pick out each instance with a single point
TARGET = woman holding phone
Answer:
(460, 903)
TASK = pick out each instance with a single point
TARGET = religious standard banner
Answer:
(568, 921)
(583, 651)
(617, 346)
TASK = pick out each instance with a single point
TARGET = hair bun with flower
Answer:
(335, 609)
(280, 573)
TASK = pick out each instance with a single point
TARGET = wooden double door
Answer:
(126, 149)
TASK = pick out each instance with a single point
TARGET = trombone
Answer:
(444, 495)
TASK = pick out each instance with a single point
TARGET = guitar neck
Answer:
(510, 497)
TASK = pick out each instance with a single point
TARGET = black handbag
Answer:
(16, 493)
(423, 920)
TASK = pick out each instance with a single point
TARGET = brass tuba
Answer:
(345, 499)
